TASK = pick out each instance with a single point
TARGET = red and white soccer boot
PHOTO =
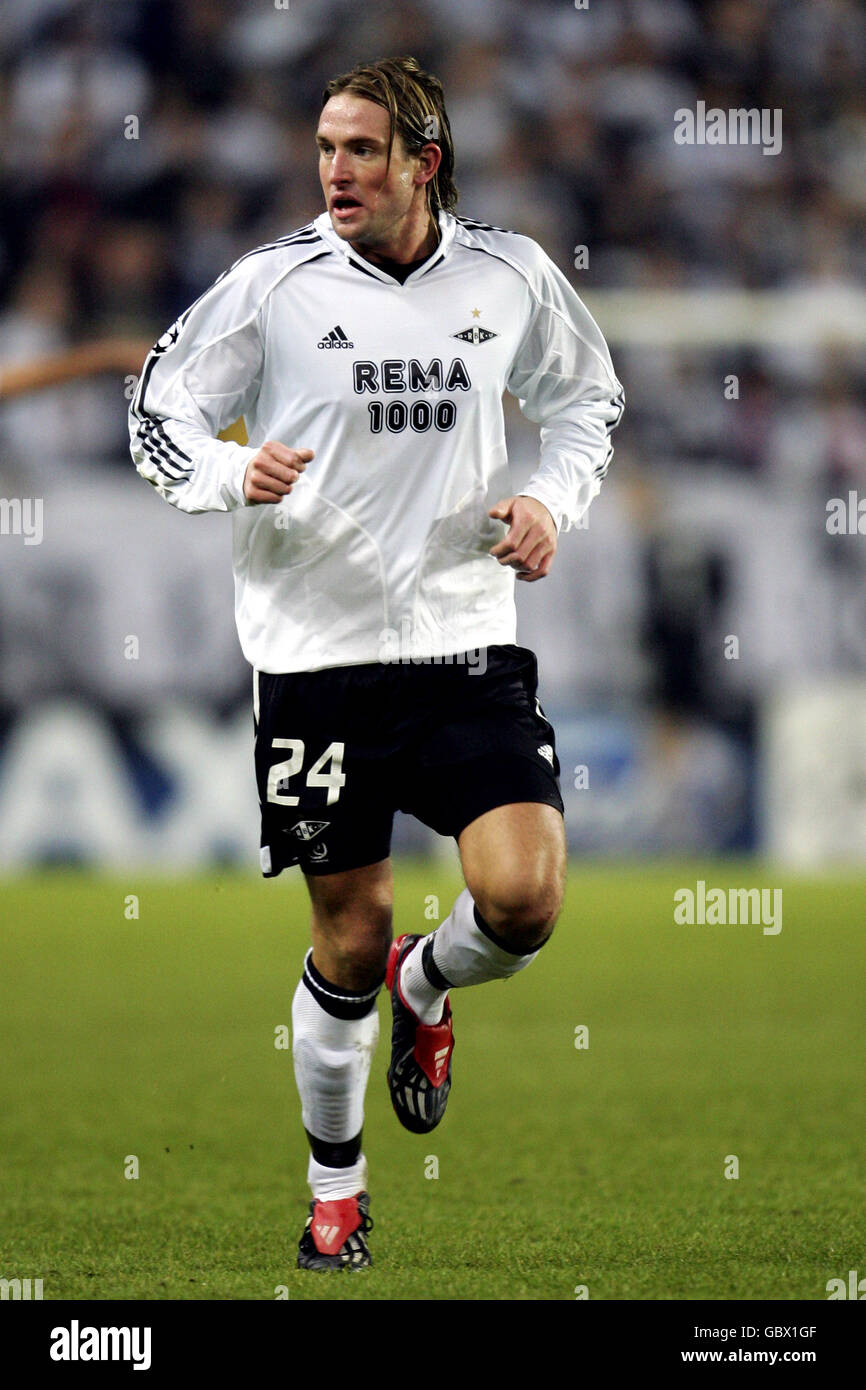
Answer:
(419, 1077)
(335, 1236)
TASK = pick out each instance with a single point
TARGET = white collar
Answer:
(447, 229)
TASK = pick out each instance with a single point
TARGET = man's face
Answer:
(367, 198)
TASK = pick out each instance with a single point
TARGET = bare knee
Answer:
(514, 862)
(521, 908)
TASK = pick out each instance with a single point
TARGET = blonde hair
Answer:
(415, 103)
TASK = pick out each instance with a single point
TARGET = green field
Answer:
(601, 1166)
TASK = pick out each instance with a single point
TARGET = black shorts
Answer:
(338, 751)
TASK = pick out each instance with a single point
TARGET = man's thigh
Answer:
(488, 746)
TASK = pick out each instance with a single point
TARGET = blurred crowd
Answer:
(147, 143)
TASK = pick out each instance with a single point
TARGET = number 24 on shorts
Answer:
(281, 773)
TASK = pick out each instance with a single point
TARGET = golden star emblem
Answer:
(476, 313)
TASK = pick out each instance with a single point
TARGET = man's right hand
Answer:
(273, 472)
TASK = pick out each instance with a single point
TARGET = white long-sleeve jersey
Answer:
(398, 391)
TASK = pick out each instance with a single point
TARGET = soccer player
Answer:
(376, 546)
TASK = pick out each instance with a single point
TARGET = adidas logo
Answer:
(335, 339)
(440, 1063)
(546, 751)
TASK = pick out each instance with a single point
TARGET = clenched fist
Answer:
(530, 544)
(271, 475)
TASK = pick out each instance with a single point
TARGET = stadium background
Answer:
(701, 263)
(147, 144)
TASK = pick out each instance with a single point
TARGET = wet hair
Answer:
(415, 103)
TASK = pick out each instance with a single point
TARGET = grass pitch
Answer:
(148, 1045)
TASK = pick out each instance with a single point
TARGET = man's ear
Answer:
(431, 158)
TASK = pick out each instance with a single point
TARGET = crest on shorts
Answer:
(308, 829)
(546, 752)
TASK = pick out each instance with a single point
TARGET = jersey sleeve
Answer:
(564, 381)
(204, 372)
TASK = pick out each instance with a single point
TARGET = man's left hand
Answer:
(530, 544)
